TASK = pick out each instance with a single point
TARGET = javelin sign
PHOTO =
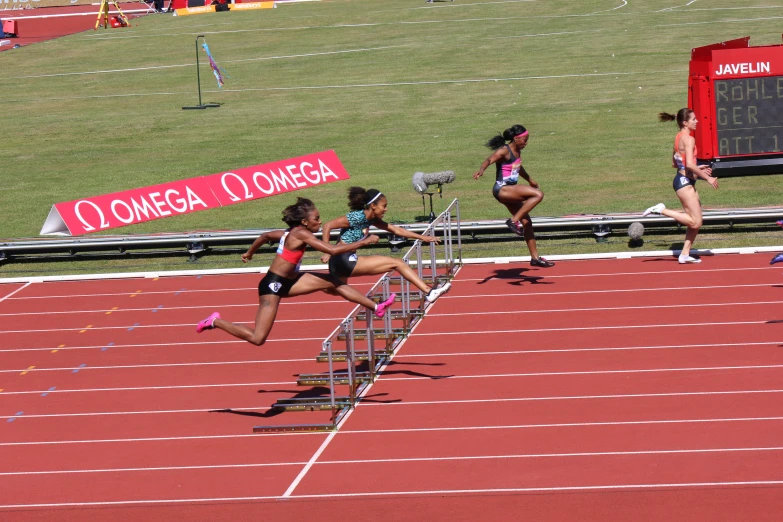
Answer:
(130, 207)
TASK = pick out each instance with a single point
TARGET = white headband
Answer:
(379, 194)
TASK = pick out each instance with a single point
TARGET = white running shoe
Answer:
(655, 209)
(684, 260)
(436, 292)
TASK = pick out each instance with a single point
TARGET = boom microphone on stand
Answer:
(423, 180)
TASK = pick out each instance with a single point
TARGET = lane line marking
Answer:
(333, 434)
(24, 372)
(179, 344)
(570, 398)
(186, 438)
(10, 296)
(600, 487)
(12, 418)
(695, 451)
(139, 325)
(147, 388)
(147, 412)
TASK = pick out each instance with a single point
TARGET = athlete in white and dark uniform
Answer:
(684, 184)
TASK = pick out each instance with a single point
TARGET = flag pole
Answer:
(198, 77)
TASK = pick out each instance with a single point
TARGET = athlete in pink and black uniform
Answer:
(284, 279)
(684, 184)
(518, 199)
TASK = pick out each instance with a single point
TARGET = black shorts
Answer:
(342, 265)
(681, 181)
(496, 189)
(273, 284)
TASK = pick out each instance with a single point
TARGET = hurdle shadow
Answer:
(310, 393)
(516, 277)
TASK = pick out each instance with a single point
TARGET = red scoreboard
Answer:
(736, 92)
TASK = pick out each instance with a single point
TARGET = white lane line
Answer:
(524, 273)
(693, 451)
(569, 350)
(142, 326)
(332, 496)
(147, 388)
(595, 372)
(536, 35)
(161, 365)
(333, 434)
(451, 377)
(567, 425)
(400, 356)
(582, 328)
(608, 308)
(569, 398)
(9, 296)
(145, 412)
(619, 290)
(624, 3)
(160, 468)
(178, 344)
(468, 5)
(392, 430)
(170, 308)
(157, 67)
(553, 455)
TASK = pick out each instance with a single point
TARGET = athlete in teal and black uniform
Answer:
(368, 208)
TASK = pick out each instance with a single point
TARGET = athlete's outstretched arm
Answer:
(307, 237)
(267, 237)
(402, 232)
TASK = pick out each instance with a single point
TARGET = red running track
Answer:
(616, 389)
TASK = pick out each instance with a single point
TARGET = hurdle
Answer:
(368, 347)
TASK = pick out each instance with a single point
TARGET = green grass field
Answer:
(393, 86)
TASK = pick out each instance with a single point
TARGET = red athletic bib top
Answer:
(292, 256)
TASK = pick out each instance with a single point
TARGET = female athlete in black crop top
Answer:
(518, 199)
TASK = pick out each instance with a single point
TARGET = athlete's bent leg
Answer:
(376, 265)
(265, 319)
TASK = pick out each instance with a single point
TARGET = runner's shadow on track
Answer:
(518, 276)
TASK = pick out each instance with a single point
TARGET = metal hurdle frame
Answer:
(347, 331)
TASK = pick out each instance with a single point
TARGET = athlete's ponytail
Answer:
(682, 116)
(499, 140)
(359, 199)
(294, 215)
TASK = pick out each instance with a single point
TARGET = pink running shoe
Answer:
(208, 323)
(381, 308)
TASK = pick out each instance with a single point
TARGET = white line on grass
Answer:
(369, 85)
(156, 67)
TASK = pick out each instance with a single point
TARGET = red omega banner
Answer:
(120, 209)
